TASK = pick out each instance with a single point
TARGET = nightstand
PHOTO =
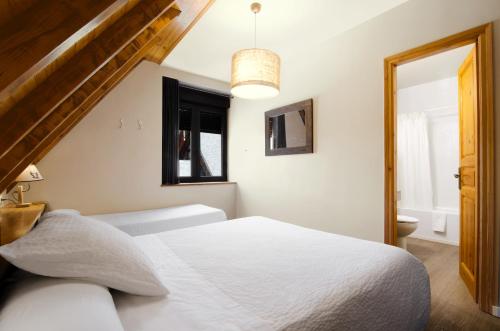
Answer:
(16, 222)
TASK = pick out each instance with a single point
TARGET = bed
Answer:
(137, 223)
(256, 273)
(260, 274)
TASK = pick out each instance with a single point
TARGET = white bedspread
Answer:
(143, 222)
(259, 274)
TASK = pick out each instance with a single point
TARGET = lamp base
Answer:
(23, 205)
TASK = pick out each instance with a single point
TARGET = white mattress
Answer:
(259, 274)
(159, 220)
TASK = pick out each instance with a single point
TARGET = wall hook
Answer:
(139, 124)
(121, 123)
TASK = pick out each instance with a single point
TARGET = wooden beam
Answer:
(192, 11)
(174, 34)
(56, 116)
(13, 8)
(156, 51)
(26, 124)
(31, 110)
(58, 29)
(114, 75)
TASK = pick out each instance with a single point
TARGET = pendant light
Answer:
(255, 72)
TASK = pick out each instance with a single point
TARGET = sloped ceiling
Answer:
(54, 71)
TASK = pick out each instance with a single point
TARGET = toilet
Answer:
(406, 226)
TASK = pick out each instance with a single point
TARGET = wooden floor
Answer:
(452, 307)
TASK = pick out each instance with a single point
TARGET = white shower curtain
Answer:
(413, 167)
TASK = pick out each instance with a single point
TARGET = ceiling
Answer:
(282, 26)
(432, 68)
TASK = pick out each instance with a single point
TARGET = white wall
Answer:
(439, 101)
(99, 168)
(444, 136)
(432, 97)
(340, 188)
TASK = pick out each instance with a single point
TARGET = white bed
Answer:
(259, 274)
(142, 222)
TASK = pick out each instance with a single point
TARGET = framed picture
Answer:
(289, 129)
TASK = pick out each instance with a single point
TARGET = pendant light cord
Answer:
(255, 8)
(255, 31)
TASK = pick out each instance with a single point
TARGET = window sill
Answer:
(198, 183)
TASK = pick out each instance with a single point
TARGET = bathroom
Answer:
(428, 150)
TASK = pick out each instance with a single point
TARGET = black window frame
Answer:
(177, 96)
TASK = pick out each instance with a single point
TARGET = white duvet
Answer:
(259, 274)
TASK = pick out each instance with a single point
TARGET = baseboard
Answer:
(441, 241)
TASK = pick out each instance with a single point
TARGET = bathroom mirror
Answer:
(289, 129)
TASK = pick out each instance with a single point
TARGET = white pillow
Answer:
(60, 212)
(75, 246)
(52, 304)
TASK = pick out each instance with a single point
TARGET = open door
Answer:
(479, 236)
(467, 176)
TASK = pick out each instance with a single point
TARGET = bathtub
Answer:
(424, 229)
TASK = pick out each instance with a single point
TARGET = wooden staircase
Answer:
(59, 58)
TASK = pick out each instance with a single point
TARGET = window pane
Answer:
(185, 143)
(210, 144)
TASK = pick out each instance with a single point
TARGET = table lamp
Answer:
(30, 174)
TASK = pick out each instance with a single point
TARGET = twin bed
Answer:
(257, 273)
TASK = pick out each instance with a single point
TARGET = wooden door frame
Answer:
(482, 37)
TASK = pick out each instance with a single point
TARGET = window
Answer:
(194, 134)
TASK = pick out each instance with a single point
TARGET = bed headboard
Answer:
(15, 223)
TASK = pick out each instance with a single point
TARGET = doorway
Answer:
(478, 262)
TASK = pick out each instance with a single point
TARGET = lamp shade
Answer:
(255, 74)
(30, 174)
